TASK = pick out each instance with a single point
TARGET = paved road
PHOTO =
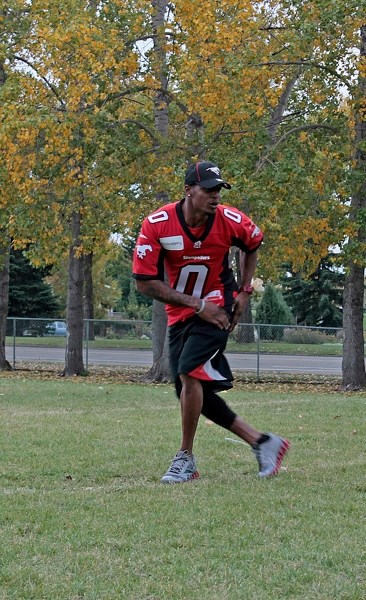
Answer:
(317, 365)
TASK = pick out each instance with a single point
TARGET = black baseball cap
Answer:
(205, 174)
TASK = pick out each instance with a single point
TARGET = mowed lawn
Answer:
(83, 514)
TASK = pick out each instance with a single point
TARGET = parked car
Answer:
(56, 328)
(32, 332)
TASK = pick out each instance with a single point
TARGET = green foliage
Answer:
(29, 294)
(273, 310)
(131, 303)
(318, 299)
(132, 309)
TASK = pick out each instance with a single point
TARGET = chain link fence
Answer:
(257, 349)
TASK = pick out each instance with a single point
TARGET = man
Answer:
(192, 239)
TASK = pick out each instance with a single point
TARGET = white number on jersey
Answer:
(199, 271)
(234, 216)
(162, 215)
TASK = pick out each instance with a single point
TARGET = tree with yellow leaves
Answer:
(9, 34)
(66, 152)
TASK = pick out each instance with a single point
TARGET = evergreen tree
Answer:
(29, 294)
(272, 311)
(317, 300)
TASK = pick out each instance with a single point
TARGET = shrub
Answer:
(273, 310)
(306, 336)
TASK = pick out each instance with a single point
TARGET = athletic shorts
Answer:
(197, 349)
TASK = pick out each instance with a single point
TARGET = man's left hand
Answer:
(240, 303)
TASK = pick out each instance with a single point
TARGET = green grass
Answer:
(265, 347)
(83, 514)
(60, 342)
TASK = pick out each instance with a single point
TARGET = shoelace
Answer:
(178, 464)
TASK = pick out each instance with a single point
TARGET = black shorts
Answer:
(196, 349)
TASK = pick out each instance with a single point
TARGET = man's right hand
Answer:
(216, 315)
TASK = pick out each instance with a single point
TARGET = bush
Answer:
(306, 336)
(273, 310)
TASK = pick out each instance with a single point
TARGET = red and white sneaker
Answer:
(270, 454)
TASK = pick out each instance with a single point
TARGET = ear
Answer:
(188, 189)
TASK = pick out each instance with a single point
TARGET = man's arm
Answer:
(159, 290)
(248, 263)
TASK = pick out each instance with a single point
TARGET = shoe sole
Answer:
(285, 446)
(194, 476)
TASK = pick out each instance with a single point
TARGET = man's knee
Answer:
(216, 409)
(190, 384)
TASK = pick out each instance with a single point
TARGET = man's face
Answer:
(204, 200)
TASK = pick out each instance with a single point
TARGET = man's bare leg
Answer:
(245, 431)
(191, 399)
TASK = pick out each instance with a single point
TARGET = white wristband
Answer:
(201, 308)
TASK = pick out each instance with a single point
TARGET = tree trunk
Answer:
(74, 346)
(160, 370)
(353, 364)
(4, 297)
(245, 329)
(161, 100)
(277, 118)
(88, 293)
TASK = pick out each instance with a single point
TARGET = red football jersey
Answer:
(196, 259)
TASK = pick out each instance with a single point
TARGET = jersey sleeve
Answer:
(148, 254)
(246, 235)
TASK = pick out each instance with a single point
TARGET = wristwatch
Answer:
(249, 289)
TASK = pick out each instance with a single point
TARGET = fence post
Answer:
(87, 345)
(258, 349)
(14, 334)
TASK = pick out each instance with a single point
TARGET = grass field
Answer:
(83, 514)
(333, 348)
